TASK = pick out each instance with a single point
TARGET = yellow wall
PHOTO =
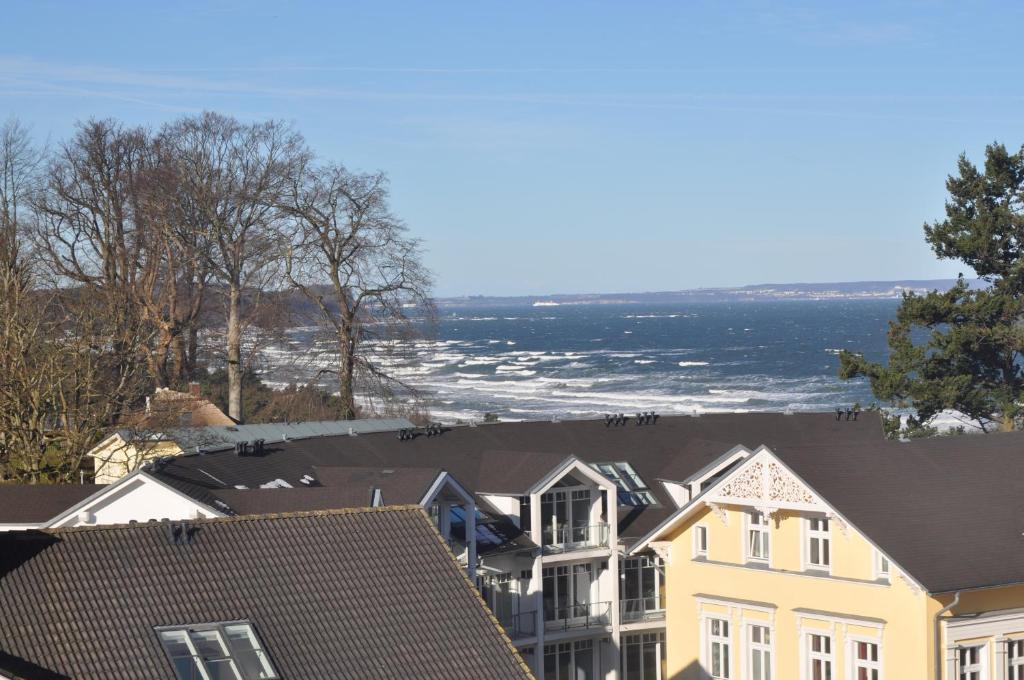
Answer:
(115, 458)
(987, 601)
(904, 640)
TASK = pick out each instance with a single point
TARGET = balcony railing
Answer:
(565, 539)
(590, 615)
(521, 625)
(641, 609)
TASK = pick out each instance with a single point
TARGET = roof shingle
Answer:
(341, 594)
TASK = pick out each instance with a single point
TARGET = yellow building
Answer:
(894, 561)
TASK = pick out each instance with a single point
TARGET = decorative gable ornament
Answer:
(766, 484)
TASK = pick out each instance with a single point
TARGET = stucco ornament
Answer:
(766, 484)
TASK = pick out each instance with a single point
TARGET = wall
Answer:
(114, 458)
(772, 594)
(140, 499)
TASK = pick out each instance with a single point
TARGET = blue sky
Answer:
(577, 146)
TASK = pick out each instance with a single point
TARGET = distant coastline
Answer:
(856, 290)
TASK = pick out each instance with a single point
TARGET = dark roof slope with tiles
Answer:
(949, 510)
(37, 503)
(511, 457)
(341, 488)
(350, 594)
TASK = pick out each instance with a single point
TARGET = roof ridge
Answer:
(231, 519)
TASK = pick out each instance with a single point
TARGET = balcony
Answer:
(590, 615)
(641, 609)
(566, 539)
(521, 625)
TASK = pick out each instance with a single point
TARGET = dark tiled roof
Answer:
(511, 457)
(347, 594)
(949, 510)
(339, 488)
(37, 503)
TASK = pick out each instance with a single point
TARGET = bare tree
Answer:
(67, 361)
(347, 241)
(234, 175)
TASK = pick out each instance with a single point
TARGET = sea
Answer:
(587, 360)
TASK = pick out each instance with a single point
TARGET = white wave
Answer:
(684, 364)
(645, 361)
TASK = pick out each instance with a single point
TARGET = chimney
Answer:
(193, 389)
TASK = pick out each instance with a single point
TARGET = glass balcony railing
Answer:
(590, 615)
(564, 539)
(641, 609)
(521, 625)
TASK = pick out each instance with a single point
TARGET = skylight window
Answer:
(217, 651)
(632, 489)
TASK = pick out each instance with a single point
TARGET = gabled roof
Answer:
(509, 458)
(39, 503)
(344, 594)
(948, 510)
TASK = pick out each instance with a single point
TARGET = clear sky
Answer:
(577, 146)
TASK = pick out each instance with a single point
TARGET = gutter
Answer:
(938, 633)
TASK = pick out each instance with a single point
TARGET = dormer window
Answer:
(758, 537)
(632, 489)
(217, 651)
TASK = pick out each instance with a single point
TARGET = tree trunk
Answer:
(234, 340)
(346, 375)
(192, 358)
(179, 372)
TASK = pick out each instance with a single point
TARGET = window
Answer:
(818, 541)
(1015, 660)
(641, 591)
(632, 489)
(757, 537)
(971, 663)
(881, 567)
(570, 661)
(718, 648)
(643, 657)
(760, 653)
(567, 592)
(700, 541)
(819, 657)
(565, 517)
(220, 651)
(865, 661)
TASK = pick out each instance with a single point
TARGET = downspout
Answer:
(938, 634)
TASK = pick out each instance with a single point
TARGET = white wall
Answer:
(140, 499)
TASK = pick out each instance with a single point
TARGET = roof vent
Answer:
(257, 446)
(351, 432)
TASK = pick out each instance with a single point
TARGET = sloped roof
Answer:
(949, 510)
(360, 594)
(510, 457)
(37, 503)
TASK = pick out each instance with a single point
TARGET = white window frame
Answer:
(982, 666)
(698, 531)
(764, 529)
(762, 647)
(810, 535)
(882, 567)
(707, 642)
(1016, 662)
(856, 664)
(641, 640)
(810, 656)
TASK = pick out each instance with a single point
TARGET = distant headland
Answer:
(855, 290)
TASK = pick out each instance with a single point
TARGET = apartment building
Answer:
(894, 561)
(542, 515)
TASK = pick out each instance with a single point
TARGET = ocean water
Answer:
(575, 361)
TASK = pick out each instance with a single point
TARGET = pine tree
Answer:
(961, 349)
